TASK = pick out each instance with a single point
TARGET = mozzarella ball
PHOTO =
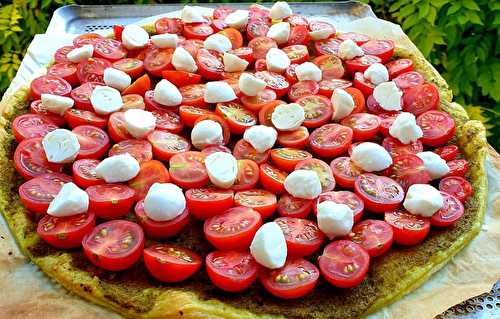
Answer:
(134, 37)
(237, 19)
(71, 200)
(348, 50)
(261, 137)
(164, 202)
(280, 10)
(288, 117)
(279, 32)
(268, 246)
(434, 164)
(182, 60)
(117, 79)
(405, 128)
(343, 104)
(139, 123)
(218, 42)
(334, 219)
(423, 199)
(277, 60)
(303, 184)
(371, 157)
(222, 169)
(56, 104)
(207, 132)
(308, 71)
(165, 40)
(218, 92)
(106, 100)
(167, 94)
(250, 85)
(118, 168)
(61, 146)
(376, 73)
(388, 95)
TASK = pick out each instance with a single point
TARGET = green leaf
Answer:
(470, 4)
(424, 9)
(454, 8)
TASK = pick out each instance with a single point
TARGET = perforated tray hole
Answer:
(95, 27)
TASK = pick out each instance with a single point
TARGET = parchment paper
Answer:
(27, 293)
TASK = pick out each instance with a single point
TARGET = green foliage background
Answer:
(459, 37)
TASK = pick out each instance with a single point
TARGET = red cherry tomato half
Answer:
(420, 99)
(169, 25)
(364, 125)
(30, 159)
(456, 186)
(260, 46)
(289, 206)
(160, 229)
(81, 95)
(210, 66)
(260, 200)
(248, 175)
(360, 64)
(84, 173)
(450, 213)
(76, 117)
(87, 38)
(169, 263)
(438, 127)
(168, 121)
(360, 39)
(330, 140)
(294, 139)
(94, 142)
(237, 117)
(65, 70)
(210, 149)
(150, 172)
(157, 60)
(141, 150)
(331, 66)
(234, 36)
(345, 171)
(386, 120)
(302, 236)
(272, 179)
(407, 170)
(244, 150)
(327, 47)
(287, 158)
(65, 232)
(326, 87)
(384, 49)
(28, 126)
(317, 108)
(204, 203)
(398, 67)
(256, 29)
(322, 169)
(165, 144)
(132, 66)
(408, 229)
(36, 107)
(140, 86)
(379, 193)
(181, 78)
(187, 169)
(110, 201)
(92, 70)
(409, 79)
(190, 114)
(297, 53)
(448, 152)
(199, 31)
(49, 84)
(342, 197)
(302, 89)
(37, 193)
(375, 236)
(458, 167)
(274, 81)
(109, 49)
(259, 101)
(299, 35)
(61, 54)
(396, 148)
(231, 271)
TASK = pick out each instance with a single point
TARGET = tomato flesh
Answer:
(169, 263)
(231, 271)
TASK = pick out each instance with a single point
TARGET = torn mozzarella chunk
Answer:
(343, 104)
(268, 246)
(134, 37)
(277, 60)
(371, 157)
(233, 63)
(81, 53)
(182, 60)
(423, 199)
(303, 184)
(261, 137)
(376, 73)
(218, 42)
(388, 95)
(308, 71)
(71, 200)
(250, 85)
(348, 50)
(279, 32)
(288, 117)
(56, 104)
(405, 128)
(218, 92)
(280, 10)
(334, 219)
(61, 146)
(165, 40)
(117, 79)
(167, 94)
(164, 202)
(207, 132)
(237, 19)
(118, 168)
(434, 164)
(191, 14)
(222, 169)
(139, 123)
(106, 100)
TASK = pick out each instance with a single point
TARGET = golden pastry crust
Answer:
(134, 294)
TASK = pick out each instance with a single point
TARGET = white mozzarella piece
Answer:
(371, 157)
(118, 168)
(268, 246)
(343, 104)
(423, 199)
(81, 54)
(250, 85)
(218, 42)
(182, 60)
(288, 117)
(218, 92)
(117, 79)
(191, 14)
(61, 146)
(280, 10)
(434, 164)
(334, 219)
(167, 94)
(279, 32)
(277, 60)
(233, 63)
(405, 128)
(261, 137)
(303, 184)
(207, 132)
(139, 123)
(165, 40)
(321, 34)
(388, 95)
(376, 73)
(106, 100)
(222, 169)
(308, 71)
(164, 202)
(237, 19)
(348, 50)
(57, 104)
(71, 200)
(134, 37)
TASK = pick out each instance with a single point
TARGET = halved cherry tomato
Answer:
(359, 99)
(36, 107)
(234, 36)
(266, 112)
(408, 229)
(299, 35)
(87, 38)
(65, 232)
(160, 229)
(234, 229)
(244, 53)
(379, 193)
(356, 37)
(321, 25)
(302, 89)
(192, 46)
(290, 74)
(231, 271)
(398, 67)
(344, 263)
(360, 64)
(37, 193)
(448, 152)
(187, 169)
(199, 31)
(450, 213)
(302, 236)
(61, 54)
(260, 46)
(94, 142)
(295, 139)
(237, 117)
(65, 70)
(318, 110)
(92, 70)
(109, 49)
(244, 150)
(169, 25)
(114, 245)
(364, 125)
(274, 81)
(327, 47)
(181, 78)
(260, 200)
(458, 167)
(49, 84)
(374, 107)
(456, 186)
(272, 179)
(259, 101)
(330, 140)
(216, 118)
(205, 203)
(76, 117)
(386, 120)
(28, 126)
(168, 121)
(289, 206)
(331, 66)
(84, 173)
(132, 66)
(209, 65)
(158, 60)
(222, 11)
(150, 172)
(438, 127)
(139, 86)
(345, 171)
(384, 49)
(166, 144)
(294, 280)
(342, 197)
(256, 29)
(363, 84)
(408, 169)
(189, 114)
(326, 87)
(409, 79)
(30, 159)
(110, 201)
(116, 127)
(117, 31)
(322, 169)
(422, 98)
(169, 263)
(375, 236)
(287, 158)
(248, 175)
(396, 148)
(297, 19)
(297, 53)
(210, 149)
(81, 95)
(193, 95)
(141, 150)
